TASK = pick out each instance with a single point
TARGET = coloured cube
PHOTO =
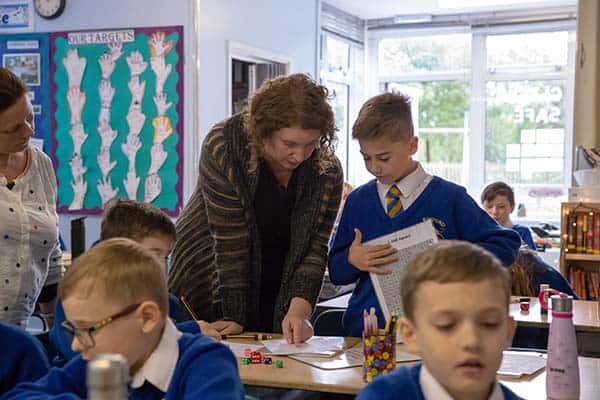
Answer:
(268, 360)
(279, 364)
(245, 360)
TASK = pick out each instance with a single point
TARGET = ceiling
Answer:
(388, 8)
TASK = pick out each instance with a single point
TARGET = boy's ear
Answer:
(150, 316)
(413, 143)
(409, 335)
(510, 332)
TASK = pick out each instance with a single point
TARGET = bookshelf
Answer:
(580, 248)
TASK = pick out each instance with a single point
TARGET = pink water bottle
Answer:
(562, 366)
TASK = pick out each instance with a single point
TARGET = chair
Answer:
(329, 323)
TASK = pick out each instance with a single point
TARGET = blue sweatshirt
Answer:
(61, 339)
(22, 358)
(455, 215)
(205, 370)
(403, 383)
(525, 234)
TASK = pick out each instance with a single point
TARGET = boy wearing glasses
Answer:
(115, 300)
(154, 230)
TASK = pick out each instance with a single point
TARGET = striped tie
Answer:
(394, 204)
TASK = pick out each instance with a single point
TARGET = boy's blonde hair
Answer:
(134, 220)
(118, 269)
(385, 115)
(452, 261)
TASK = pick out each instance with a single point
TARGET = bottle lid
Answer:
(562, 303)
(107, 370)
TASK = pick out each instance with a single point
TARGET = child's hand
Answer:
(371, 258)
(207, 330)
(227, 327)
(295, 326)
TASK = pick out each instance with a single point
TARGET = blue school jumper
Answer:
(525, 234)
(205, 370)
(403, 383)
(61, 340)
(22, 358)
(454, 213)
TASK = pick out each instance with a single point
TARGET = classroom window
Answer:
(488, 104)
(341, 73)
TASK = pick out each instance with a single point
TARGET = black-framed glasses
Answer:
(84, 335)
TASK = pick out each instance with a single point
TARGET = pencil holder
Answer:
(379, 355)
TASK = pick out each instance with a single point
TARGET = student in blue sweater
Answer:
(455, 297)
(498, 199)
(402, 194)
(22, 358)
(154, 230)
(115, 300)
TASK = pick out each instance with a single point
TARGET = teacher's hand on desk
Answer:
(295, 326)
(227, 327)
(370, 258)
(208, 330)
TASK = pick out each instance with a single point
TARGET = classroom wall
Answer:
(286, 27)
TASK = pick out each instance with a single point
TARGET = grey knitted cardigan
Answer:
(217, 256)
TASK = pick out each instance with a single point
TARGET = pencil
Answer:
(189, 309)
(256, 336)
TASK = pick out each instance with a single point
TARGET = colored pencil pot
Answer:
(379, 355)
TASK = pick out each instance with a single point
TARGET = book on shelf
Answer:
(585, 283)
(583, 233)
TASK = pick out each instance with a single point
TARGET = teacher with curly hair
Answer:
(252, 241)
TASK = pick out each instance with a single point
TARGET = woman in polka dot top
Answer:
(30, 257)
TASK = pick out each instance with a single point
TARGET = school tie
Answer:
(394, 204)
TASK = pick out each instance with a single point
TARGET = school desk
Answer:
(298, 375)
(585, 313)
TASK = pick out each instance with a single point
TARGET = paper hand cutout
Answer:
(75, 67)
(131, 185)
(130, 149)
(104, 162)
(162, 128)
(160, 100)
(137, 91)
(105, 189)
(162, 71)
(107, 135)
(106, 93)
(107, 65)
(76, 100)
(77, 167)
(157, 158)
(79, 186)
(153, 188)
(115, 50)
(158, 46)
(136, 63)
(78, 135)
(135, 120)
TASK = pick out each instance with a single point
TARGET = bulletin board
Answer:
(27, 56)
(118, 117)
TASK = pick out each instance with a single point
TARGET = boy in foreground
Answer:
(115, 300)
(455, 297)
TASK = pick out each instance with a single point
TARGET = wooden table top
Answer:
(586, 317)
(298, 375)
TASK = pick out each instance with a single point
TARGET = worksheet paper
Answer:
(326, 346)
(409, 242)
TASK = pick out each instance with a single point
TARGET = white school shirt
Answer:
(30, 256)
(411, 186)
(432, 390)
(160, 366)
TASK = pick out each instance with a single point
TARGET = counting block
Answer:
(245, 360)
(268, 360)
(247, 352)
(279, 364)
(256, 357)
